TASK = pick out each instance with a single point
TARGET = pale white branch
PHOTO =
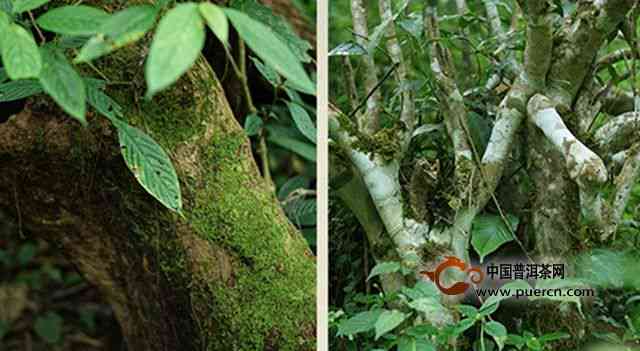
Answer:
(449, 96)
(583, 165)
(369, 122)
(395, 52)
(381, 180)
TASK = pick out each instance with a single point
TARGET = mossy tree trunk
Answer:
(233, 274)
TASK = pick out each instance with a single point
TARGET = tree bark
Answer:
(233, 274)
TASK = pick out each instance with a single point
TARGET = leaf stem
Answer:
(33, 21)
(241, 72)
(245, 81)
(264, 155)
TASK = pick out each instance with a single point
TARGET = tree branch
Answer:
(624, 184)
(613, 57)
(455, 112)
(537, 54)
(512, 109)
(618, 133)
(369, 122)
(617, 101)
(381, 179)
(395, 52)
(355, 196)
(583, 165)
(581, 38)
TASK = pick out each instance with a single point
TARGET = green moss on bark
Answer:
(269, 303)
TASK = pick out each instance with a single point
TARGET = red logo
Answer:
(458, 287)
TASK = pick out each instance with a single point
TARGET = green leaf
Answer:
(515, 340)
(409, 343)
(49, 327)
(480, 131)
(554, 336)
(63, 83)
(216, 20)
(384, 268)
(303, 121)
(497, 331)
(302, 212)
(428, 305)
(413, 25)
(73, 20)
(463, 325)
(303, 149)
(488, 310)
(534, 344)
(5, 328)
(511, 287)
(120, 29)
(176, 45)
(281, 27)
(421, 289)
(71, 41)
(488, 232)
(20, 54)
(293, 184)
(361, 322)
(468, 310)
(20, 6)
(348, 49)
(604, 268)
(270, 48)
(267, 72)
(381, 29)
(6, 6)
(150, 165)
(26, 253)
(19, 89)
(4, 22)
(387, 321)
(422, 330)
(310, 235)
(88, 319)
(100, 101)
(253, 124)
